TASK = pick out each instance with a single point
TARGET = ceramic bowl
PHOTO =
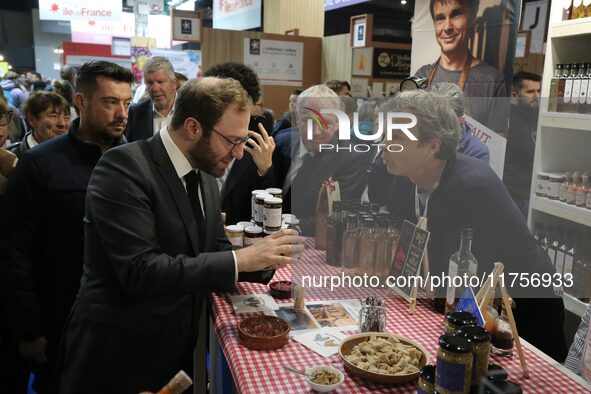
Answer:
(324, 388)
(263, 332)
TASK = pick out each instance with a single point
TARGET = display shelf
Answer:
(562, 210)
(573, 305)
(571, 28)
(566, 120)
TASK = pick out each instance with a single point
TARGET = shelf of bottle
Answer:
(574, 305)
(575, 27)
(566, 120)
(562, 210)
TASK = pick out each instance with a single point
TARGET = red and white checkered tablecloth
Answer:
(259, 372)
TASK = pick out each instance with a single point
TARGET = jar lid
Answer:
(291, 221)
(235, 228)
(286, 216)
(253, 230)
(274, 190)
(258, 191)
(496, 372)
(474, 334)
(505, 387)
(556, 176)
(543, 174)
(427, 373)
(273, 200)
(263, 195)
(455, 344)
(245, 224)
(461, 318)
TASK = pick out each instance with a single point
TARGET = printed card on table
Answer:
(341, 314)
(249, 303)
(300, 320)
(325, 341)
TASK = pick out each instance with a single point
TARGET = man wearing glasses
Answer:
(155, 246)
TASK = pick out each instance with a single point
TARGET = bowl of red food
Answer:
(280, 289)
(263, 332)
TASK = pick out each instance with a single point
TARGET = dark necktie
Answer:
(193, 181)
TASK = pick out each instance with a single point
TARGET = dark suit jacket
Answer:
(242, 179)
(140, 121)
(349, 169)
(135, 323)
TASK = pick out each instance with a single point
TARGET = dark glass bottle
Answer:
(350, 238)
(333, 238)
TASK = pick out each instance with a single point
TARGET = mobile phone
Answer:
(254, 123)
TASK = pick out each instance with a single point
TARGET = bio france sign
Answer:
(65, 10)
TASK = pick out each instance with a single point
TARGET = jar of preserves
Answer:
(541, 184)
(275, 192)
(292, 223)
(553, 185)
(253, 203)
(426, 380)
(453, 372)
(272, 213)
(480, 340)
(259, 203)
(235, 234)
(455, 320)
(252, 235)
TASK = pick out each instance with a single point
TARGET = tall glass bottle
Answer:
(582, 191)
(564, 186)
(567, 9)
(333, 241)
(587, 107)
(546, 241)
(569, 260)
(578, 10)
(561, 252)
(461, 263)
(572, 189)
(350, 238)
(554, 89)
(554, 244)
(568, 88)
(367, 247)
(584, 88)
(578, 77)
(561, 87)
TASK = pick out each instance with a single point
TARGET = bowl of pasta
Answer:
(383, 357)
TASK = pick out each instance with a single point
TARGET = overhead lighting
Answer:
(58, 51)
(1, 58)
(9, 67)
(403, 2)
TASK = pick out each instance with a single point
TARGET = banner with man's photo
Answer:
(486, 30)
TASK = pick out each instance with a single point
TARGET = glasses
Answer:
(241, 142)
(5, 117)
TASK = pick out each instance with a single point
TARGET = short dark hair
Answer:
(296, 92)
(86, 80)
(206, 100)
(67, 72)
(64, 89)
(334, 84)
(471, 4)
(240, 72)
(521, 76)
(40, 101)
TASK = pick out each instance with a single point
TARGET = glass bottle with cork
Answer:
(561, 87)
(553, 94)
(587, 107)
(333, 238)
(367, 247)
(462, 264)
(567, 9)
(350, 238)
(568, 88)
(578, 77)
(584, 87)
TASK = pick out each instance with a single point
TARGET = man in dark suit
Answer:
(155, 245)
(147, 117)
(302, 166)
(255, 170)
(42, 219)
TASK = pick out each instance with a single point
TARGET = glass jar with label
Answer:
(480, 340)
(235, 234)
(252, 235)
(253, 203)
(426, 380)
(541, 184)
(292, 223)
(453, 373)
(259, 213)
(456, 320)
(553, 184)
(272, 213)
(275, 192)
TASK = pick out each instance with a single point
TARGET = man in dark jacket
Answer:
(43, 232)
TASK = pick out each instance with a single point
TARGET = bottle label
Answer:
(581, 197)
(253, 210)
(259, 213)
(570, 196)
(568, 88)
(576, 90)
(568, 264)
(559, 261)
(589, 93)
(584, 87)
(272, 217)
(451, 293)
(552, 255)
(450, 376)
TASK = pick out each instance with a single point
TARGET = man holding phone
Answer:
(255, 169)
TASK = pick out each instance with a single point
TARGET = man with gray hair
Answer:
(148, 117)
(307, 158)
(469, 144)
(454, 191)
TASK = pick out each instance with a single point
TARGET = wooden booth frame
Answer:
(363, 23)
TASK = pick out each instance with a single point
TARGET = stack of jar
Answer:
(575, 9)
(462, 359)
(570, 253)
(568, 187)
(360, 239)
(570, 88)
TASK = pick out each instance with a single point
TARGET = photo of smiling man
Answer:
(463, 30)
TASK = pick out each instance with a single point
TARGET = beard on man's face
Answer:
(202, 157)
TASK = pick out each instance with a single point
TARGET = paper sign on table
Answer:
(300, 320)
(340, 314)
(324, 341)
(467, 303)
(250, 303)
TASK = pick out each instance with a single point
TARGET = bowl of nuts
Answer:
(324, 379)
(280, 289)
